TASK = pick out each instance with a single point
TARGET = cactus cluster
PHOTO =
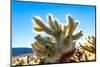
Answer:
(89, 45)
(89, 48)
(60, 40)
(84, 52)
(59, 45)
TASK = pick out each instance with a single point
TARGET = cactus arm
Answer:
(70, 25)
(75, 25)
(42, 26)
(38, 29)
(36, 50)
(37, 47)
(65, 29)
(51, 22)
(77, 35)
(61, 27)
(57, 26)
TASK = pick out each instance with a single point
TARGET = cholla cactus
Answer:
(89, 48)
(85, 51)
(60, 39)
(90, 44)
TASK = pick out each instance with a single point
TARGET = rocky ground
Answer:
(25, 60)
(33, 60)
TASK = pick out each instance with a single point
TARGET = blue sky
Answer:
(22, 24)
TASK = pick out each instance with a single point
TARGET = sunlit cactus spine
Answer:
(60, 40)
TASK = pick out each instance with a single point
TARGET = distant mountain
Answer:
(21, 51)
